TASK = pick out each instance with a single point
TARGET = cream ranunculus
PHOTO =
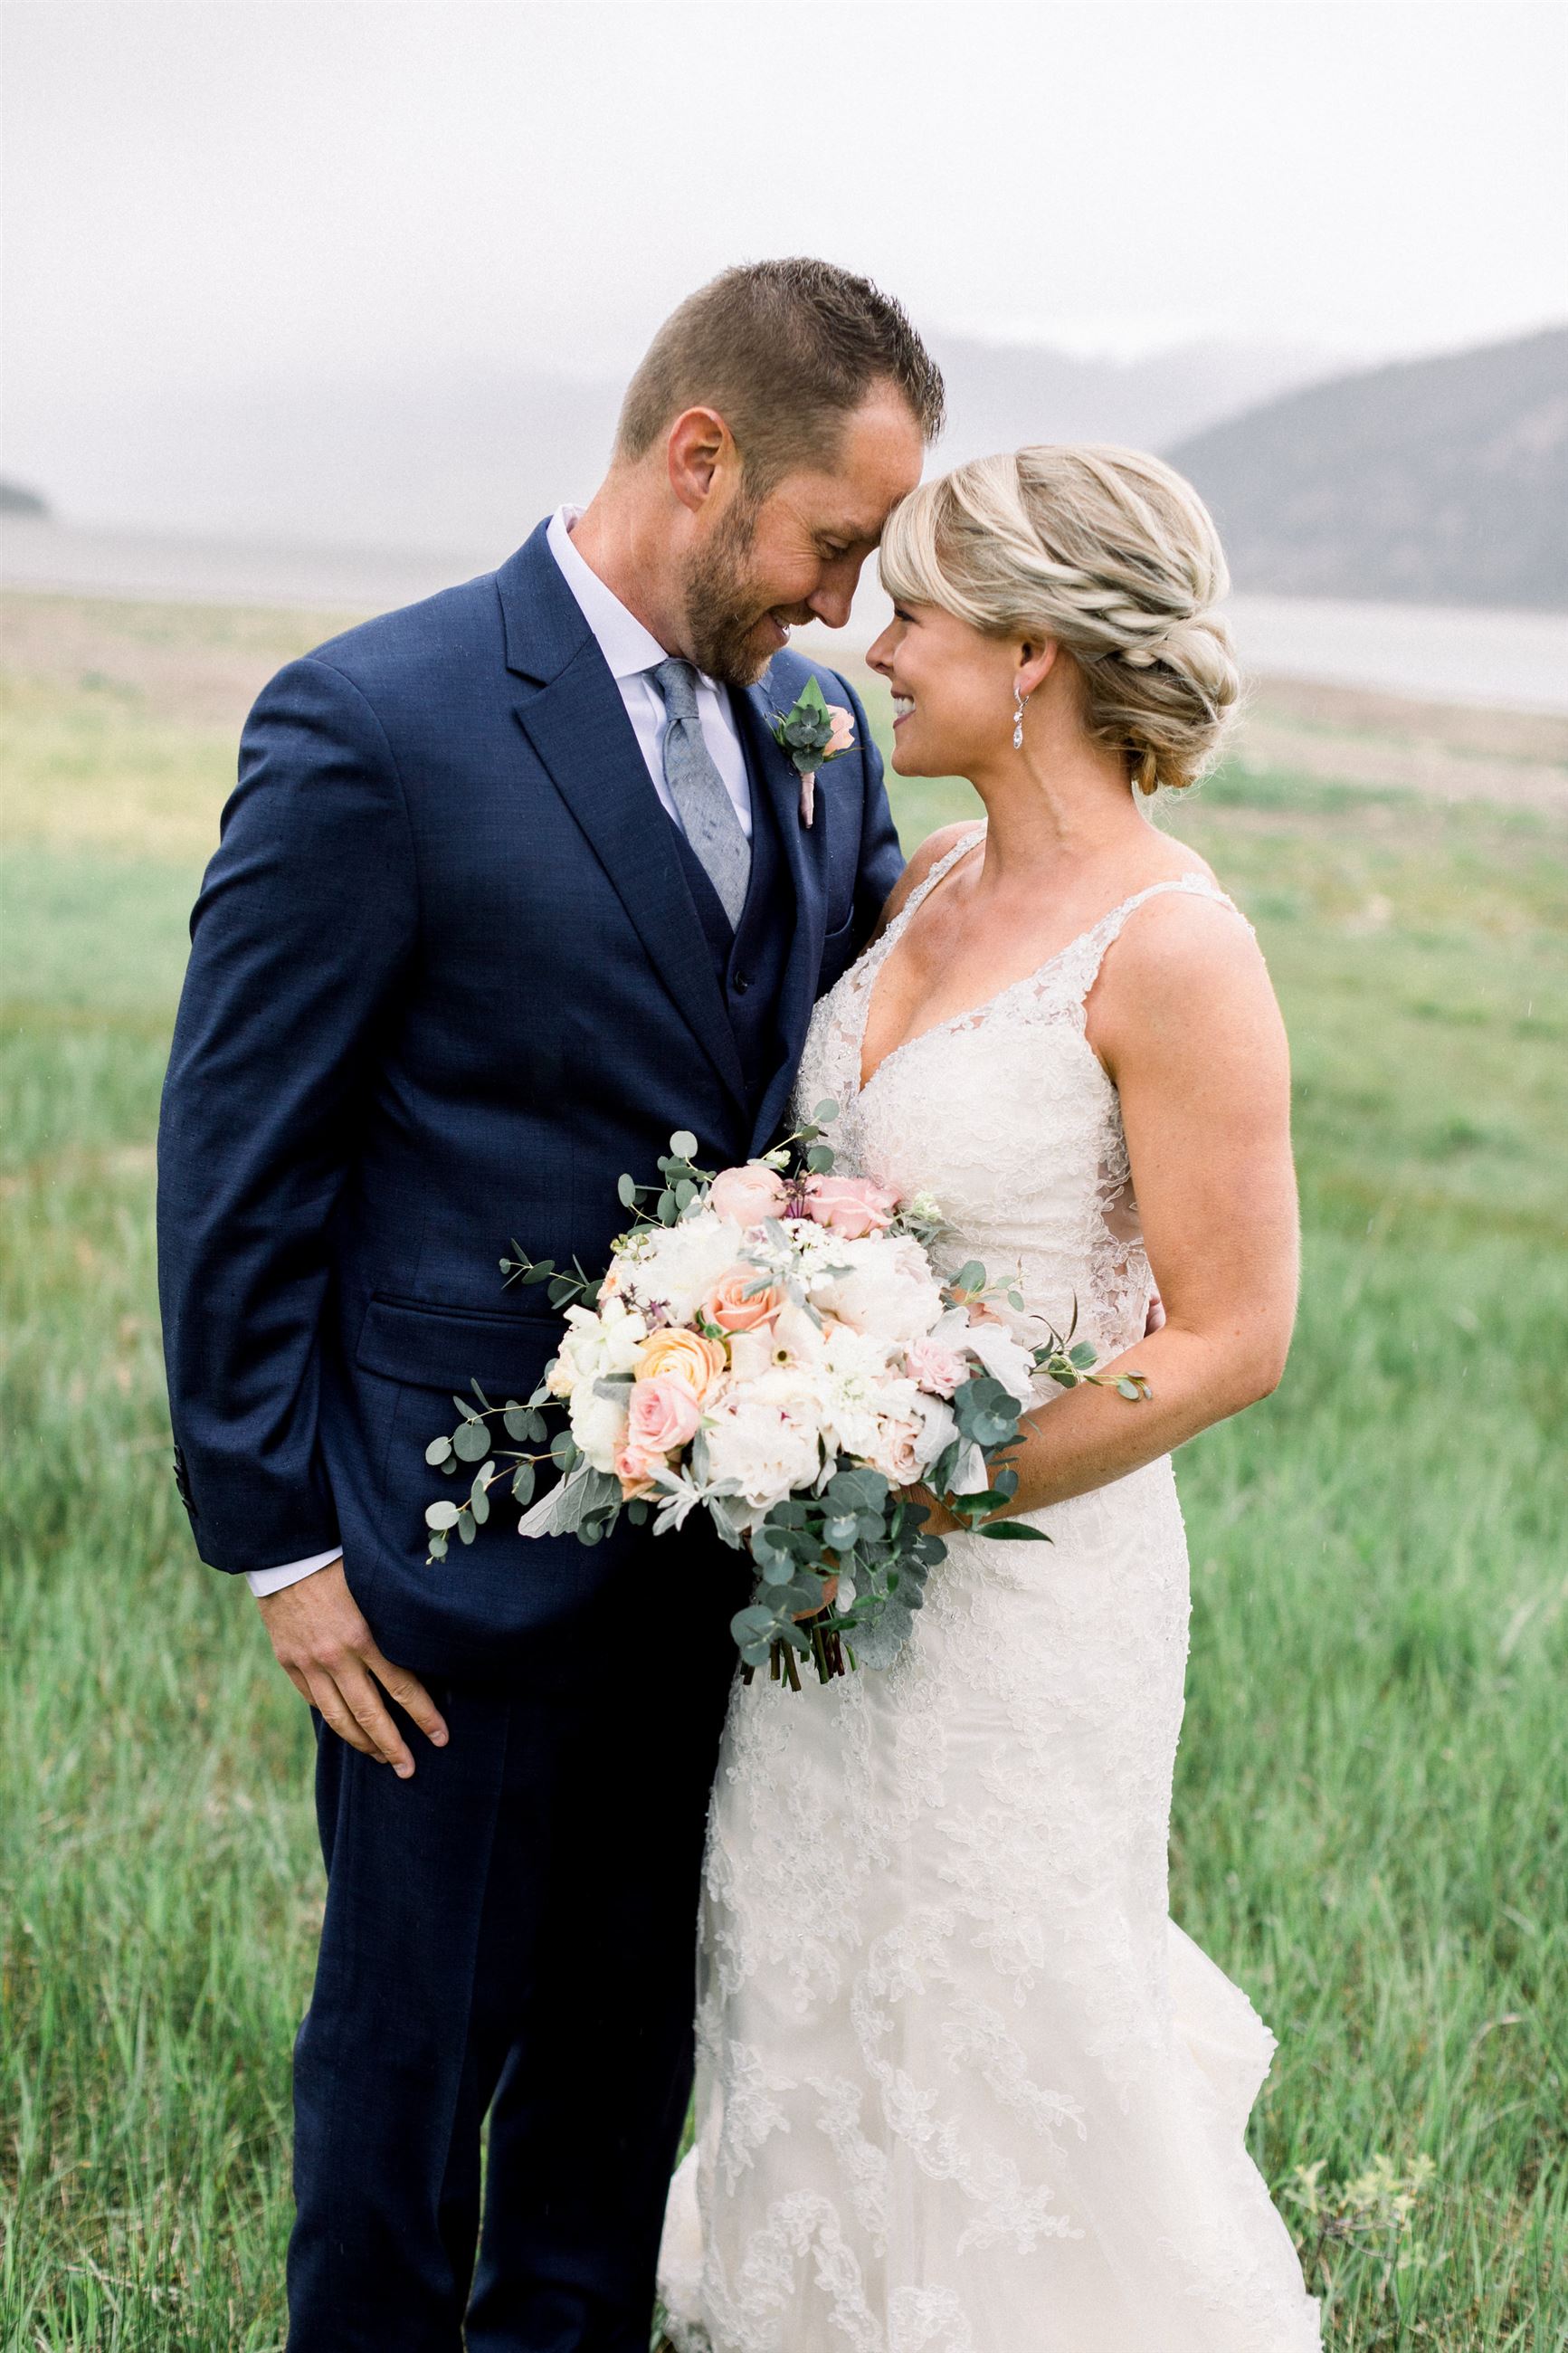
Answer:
(693, 1358)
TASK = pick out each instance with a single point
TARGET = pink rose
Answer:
(663, 1413)
(897, 1452)
(850, 1206)
(727, 1305)
(933, 1368)
(748, 1195)
(843, 736)
(634, 1468)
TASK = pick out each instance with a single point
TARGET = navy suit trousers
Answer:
(512, 1930)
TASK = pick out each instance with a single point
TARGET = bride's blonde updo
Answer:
(1110, 553)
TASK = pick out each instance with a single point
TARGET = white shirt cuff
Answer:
(263, 1581)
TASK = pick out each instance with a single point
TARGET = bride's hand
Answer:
(939, 1520)
(829, 1595)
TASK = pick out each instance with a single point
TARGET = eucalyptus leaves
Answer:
(773, 1345)
(812, 731)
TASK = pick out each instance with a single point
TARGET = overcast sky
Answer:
(264, 257)
(204, 187)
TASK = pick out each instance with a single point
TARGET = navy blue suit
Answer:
(454, 969)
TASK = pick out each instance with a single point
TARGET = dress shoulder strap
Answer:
(923, 890)
(1087, 954)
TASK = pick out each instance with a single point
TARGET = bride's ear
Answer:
(1036, 659)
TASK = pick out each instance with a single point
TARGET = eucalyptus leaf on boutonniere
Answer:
(812, 731)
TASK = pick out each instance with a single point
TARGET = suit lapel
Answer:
(577, 724)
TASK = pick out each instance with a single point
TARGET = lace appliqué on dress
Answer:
(963, 2086)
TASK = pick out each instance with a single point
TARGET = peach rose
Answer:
(748, 1195)
(661, 1414)
(850, 1206)
(933, 1368)
(687, 1356)
(727, 1305)
(843, 736)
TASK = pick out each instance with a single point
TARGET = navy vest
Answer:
(749, 961)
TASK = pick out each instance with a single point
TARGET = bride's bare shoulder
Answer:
(935, 848)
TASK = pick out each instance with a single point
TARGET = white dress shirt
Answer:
(631, 652)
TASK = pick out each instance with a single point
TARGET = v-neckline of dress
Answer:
(939, 874)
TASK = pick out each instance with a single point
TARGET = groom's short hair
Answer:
(784, 351)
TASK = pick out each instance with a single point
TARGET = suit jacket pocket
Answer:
(446, 1348)
(838, 954)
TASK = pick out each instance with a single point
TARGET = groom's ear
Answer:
(701, 453)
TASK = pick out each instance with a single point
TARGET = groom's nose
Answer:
(835, 595)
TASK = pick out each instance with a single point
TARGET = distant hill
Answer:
(15, 501)
(1001, 395)
(1437, 481)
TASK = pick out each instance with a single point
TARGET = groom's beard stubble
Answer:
(722, 618)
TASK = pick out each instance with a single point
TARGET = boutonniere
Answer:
(813, 732)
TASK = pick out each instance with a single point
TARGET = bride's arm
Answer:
(1185, 1020)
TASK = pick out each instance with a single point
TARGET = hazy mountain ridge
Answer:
(1003, 396)
(1438, 480)
(16, 499)
(464, 458)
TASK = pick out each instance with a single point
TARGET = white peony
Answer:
(766, 1436)
(888, 1290)
(859, 1389)
(678, 1266)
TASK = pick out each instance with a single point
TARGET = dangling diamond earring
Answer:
(1018, 700)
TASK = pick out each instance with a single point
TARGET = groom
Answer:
(514, 883)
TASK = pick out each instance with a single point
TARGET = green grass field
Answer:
(1370, 1810)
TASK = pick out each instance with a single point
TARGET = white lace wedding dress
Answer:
(963, 2086)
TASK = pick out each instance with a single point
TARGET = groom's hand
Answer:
(328, 1654)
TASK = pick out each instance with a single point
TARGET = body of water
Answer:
(1437, 653)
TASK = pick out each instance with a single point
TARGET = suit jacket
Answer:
(447, 981)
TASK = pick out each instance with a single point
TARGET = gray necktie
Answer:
(706, 811)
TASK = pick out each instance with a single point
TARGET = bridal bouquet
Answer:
(773, 1345)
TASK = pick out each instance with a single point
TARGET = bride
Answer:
(963, 2085)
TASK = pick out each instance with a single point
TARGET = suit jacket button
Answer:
(741, 982)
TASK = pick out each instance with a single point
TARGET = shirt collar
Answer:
(625, 645)
(628, 648)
